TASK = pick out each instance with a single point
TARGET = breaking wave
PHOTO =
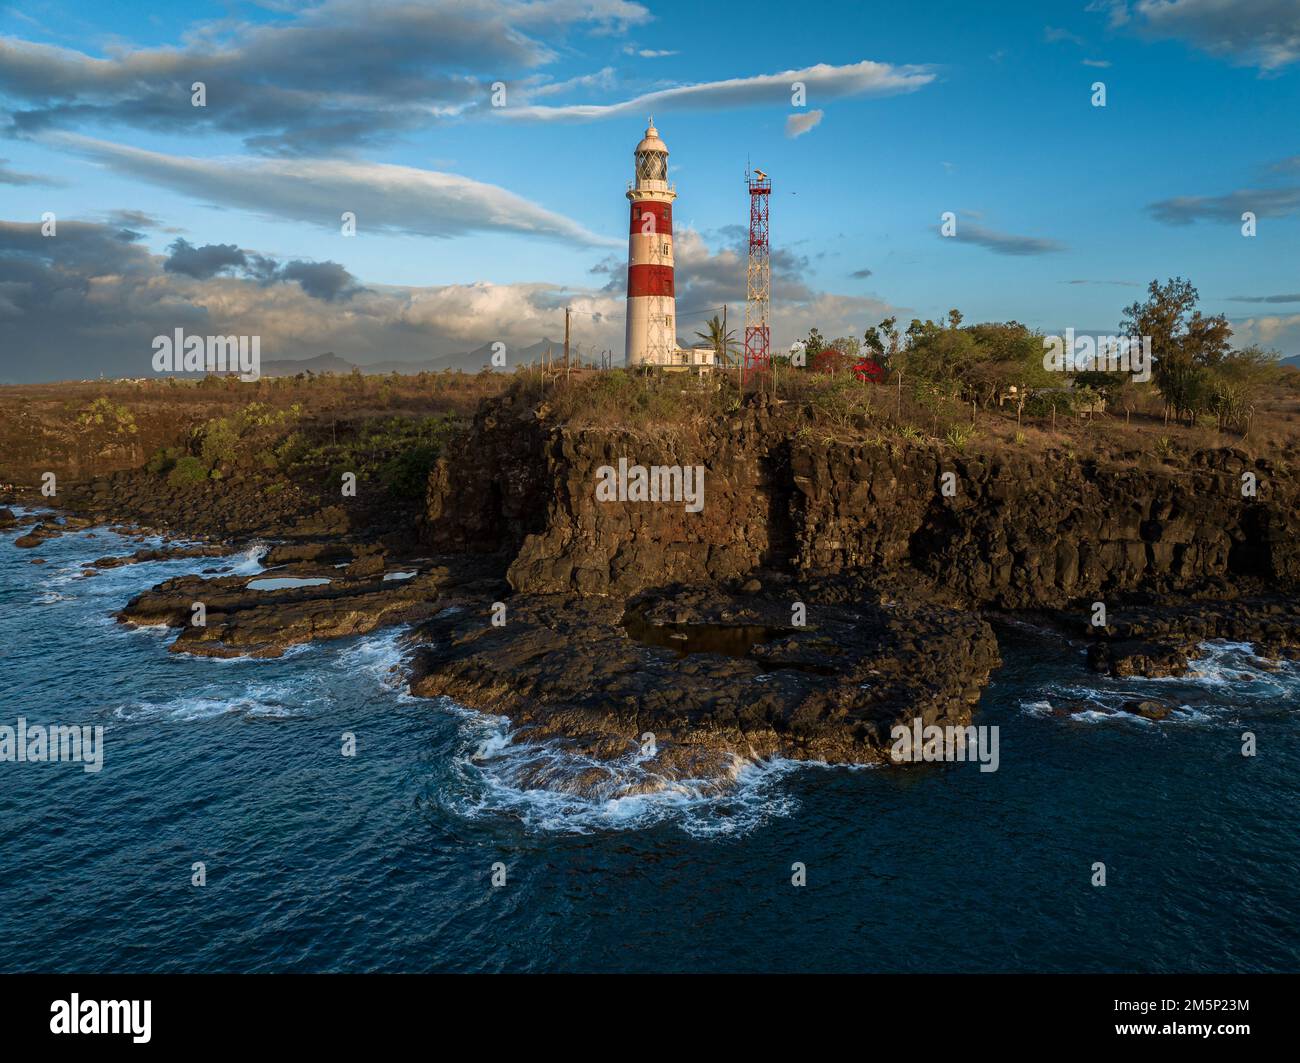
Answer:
(1224, 681)
(549, 788)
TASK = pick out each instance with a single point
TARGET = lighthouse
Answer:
(651, 299)
(651, 295)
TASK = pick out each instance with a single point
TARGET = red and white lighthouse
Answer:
(651, 299)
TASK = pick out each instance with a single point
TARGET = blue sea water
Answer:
(383, 861)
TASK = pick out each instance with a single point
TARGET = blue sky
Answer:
(1065, 210)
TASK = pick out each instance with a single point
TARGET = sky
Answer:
(484, 148)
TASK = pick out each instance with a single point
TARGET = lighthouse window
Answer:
(652, 165)
(668, 320)
(666, 248)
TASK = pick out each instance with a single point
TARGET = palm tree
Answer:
(725, 346)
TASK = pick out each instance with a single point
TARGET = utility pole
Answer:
(566, 339)
(726, 360)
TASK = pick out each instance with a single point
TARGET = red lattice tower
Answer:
(758, 280)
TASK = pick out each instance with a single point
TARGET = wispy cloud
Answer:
(1262, 202)
(823, 82)
(384, 198)
(1001, 243)
(14, 177)
(1056, 35)
(1261, 33)
(332, 75)
(1293, 298)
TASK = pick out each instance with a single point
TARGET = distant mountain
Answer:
(329, 362)
(466, 361)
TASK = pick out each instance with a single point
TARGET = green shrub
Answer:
(187, 470)
(162, 461)
(959, 435)
(1042, 403)
(407, 475)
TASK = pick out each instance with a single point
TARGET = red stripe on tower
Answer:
(658, 223)
(650, 280)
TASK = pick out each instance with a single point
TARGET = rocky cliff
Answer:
(1008, 529)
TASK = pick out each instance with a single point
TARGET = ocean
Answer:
(385, 861)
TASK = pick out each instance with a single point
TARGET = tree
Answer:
(976, 363)
(725, 346)
(1185, 344)
(831, 360)
(848, 345)
(881, 341)
(104, 425)
(814, 344)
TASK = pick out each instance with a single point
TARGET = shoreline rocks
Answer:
(239, 621)
(570, 667)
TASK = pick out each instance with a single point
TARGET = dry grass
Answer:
(39, 427)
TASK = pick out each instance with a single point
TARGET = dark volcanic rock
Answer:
(1022, 530)
(166, 554)
(1156, 635)
(39, 533)
(260, 623)
(572, 667)
(1148, 709)
(1135, 657)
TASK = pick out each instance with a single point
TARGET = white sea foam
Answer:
(552, 789)
(382, 656)
(250, 562)
(1223, 680)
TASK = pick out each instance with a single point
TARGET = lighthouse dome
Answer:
(651, 141)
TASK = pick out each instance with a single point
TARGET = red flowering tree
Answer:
(831, 360)
(869, 370)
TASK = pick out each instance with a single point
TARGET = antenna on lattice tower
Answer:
(758, 280)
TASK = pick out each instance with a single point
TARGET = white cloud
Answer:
(822, 81)
(384, 198)
(1055, 35)
(1259, 33)
(322, 76)
(92, 300)
(796, 125)
(1275, 331)
(1001, 243)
